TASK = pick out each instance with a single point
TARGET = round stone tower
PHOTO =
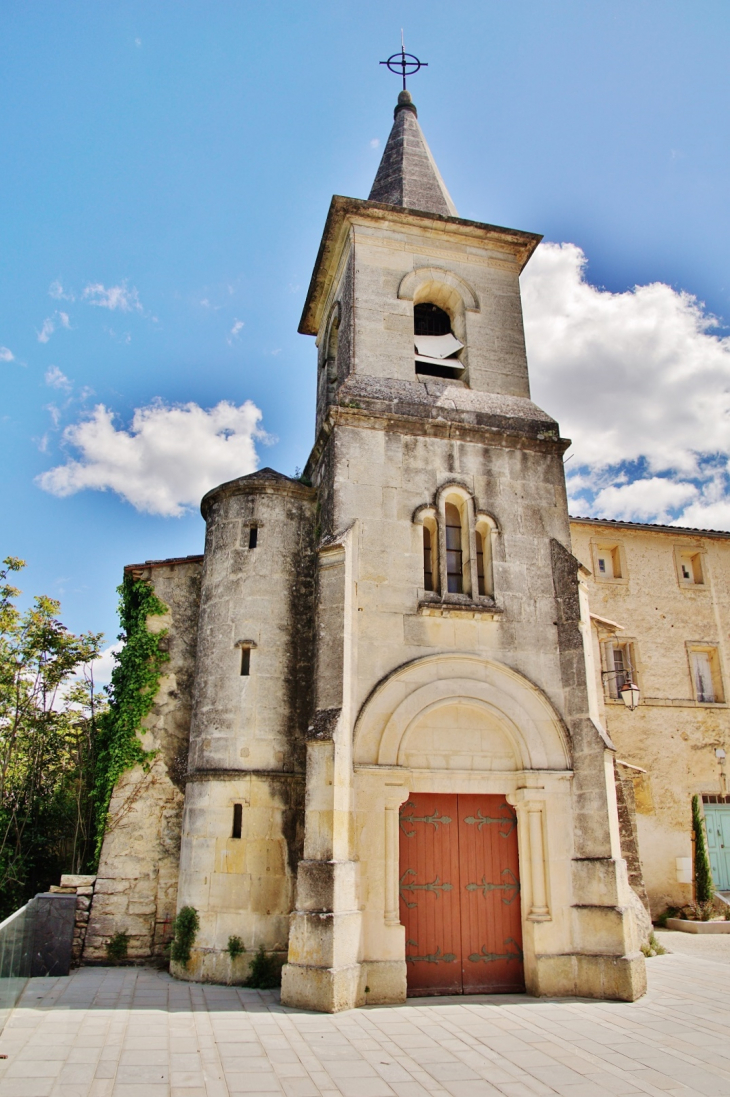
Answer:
(242, 823)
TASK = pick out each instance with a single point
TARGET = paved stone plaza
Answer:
(134, 1032)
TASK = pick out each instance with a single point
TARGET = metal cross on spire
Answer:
(404, 64)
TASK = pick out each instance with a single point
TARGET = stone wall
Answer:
(83, 888)
(670, 737)
(136, 886)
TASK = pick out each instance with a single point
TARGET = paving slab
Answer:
(135, 1032)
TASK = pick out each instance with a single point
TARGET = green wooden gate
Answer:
(717, 823)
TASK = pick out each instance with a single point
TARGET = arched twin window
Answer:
(457, 546)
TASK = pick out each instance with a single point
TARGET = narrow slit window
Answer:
(253, 536)
(245, 662)
(237, 820)
(454, 554)
(480, 563)
(427, 559)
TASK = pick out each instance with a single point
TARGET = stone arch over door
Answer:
(520, 716)
(461, 724)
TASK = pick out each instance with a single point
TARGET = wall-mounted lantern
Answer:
(629, 692)
(630, 695)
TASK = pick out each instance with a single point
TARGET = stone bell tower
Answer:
(448, 653)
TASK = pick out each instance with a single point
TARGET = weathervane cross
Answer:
(404, 64)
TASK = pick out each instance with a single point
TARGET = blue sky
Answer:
(166, 172)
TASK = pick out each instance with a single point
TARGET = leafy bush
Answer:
(704, 887)
(117, 947)
(235, 947)
(670, 912)
(265, 973)
(185, 928)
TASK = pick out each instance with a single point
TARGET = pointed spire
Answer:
(408, 175)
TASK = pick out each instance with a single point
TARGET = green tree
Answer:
(48, 728)
(704, 887)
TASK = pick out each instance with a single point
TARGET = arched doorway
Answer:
(466, 739)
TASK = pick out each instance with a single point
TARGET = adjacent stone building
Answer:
(399, 776)
(660, 614)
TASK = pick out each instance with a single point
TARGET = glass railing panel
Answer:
(16, 934)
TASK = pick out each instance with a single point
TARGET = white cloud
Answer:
(115, 297)
(6, 355)
(166, 461)
(238, 326)
(639, 380)
(652, 498)
(56, 378)
(629, 375)
(58, 293)
(375, 143)
(50, 324)
(46, 331)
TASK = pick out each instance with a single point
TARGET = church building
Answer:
(382, 754)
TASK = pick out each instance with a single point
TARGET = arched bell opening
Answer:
(441, 300)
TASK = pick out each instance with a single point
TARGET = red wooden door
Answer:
(429, 893)
(491, 917)
(460, 894)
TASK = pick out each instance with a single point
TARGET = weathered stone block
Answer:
(322, 989)
(70, 881)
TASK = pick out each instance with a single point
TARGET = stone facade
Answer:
(335, 673)
(136, 885)
(670, 741)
